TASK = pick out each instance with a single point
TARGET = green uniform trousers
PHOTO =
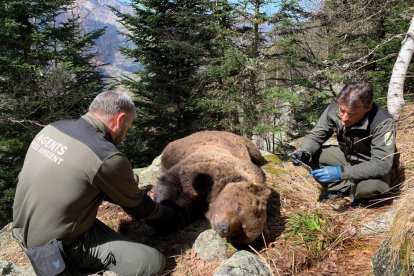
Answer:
(102, 248)
(360, 189)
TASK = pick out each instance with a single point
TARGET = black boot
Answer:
(326, 195)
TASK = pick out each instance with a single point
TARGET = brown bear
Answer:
(216, 173)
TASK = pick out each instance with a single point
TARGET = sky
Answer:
(272, 7)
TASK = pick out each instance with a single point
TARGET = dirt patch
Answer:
(12, 252)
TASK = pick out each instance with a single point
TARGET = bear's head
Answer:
(239, 211)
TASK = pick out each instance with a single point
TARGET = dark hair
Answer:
(355, 93)
(110, 103)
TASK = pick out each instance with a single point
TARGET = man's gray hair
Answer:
(110, 103)
(355, 93)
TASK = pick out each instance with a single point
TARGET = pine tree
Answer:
(316, 52)
(365, 37)
(298, 79)
(46, 73)
(172, 41)
(253, 79)
(233, 89)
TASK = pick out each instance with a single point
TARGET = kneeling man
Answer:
(365, 160)
(70, 167)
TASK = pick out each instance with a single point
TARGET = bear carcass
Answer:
(218, 174)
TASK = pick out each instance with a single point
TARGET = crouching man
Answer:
(70, 167)
(365, 160)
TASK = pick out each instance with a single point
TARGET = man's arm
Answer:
(115, 178)
(322, 131)
(383, 149)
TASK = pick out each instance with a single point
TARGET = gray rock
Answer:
(210, 246)
(8, 268)
(149, 175)
(243, 263)
(378, 225)
(381, 262)
(5, 235)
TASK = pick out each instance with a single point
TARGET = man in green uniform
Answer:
(71, 166)
(365, 159)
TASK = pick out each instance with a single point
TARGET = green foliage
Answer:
(395, 26)
(311, 229)
(47, 72)
(173, 41)
(13, 144)
(365, 41)
(407, 255)
(300, 84)
(209, 66)
(201, 77)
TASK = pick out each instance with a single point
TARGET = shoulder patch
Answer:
(388, 138)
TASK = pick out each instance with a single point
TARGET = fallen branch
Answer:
(23, 122)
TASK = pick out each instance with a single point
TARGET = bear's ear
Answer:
(264, 193)
(261, 191)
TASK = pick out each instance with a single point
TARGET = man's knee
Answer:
(138, 259)
(160, 262)
(370, 188)
(365, 193)
(155, 267)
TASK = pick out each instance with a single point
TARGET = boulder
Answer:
(149, 175)
(378, 225)
(8, 268)
(243, 263)
(381, 262)
(210, 246)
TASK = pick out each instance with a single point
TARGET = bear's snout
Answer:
(220, 225)
(222, 228)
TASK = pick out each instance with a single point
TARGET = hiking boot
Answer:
(361, 202)
(355, 203)
(325, 195)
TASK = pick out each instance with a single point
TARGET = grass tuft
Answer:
(401, 232)
(312, 229)
(402, 228)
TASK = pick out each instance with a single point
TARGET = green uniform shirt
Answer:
(369, 146)
(71, 166)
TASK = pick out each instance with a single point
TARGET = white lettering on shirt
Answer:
(49, 148)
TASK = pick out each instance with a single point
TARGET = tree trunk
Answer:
(395, 98)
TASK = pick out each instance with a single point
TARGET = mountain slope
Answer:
(96, 14)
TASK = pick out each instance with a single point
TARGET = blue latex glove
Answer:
(327, 174)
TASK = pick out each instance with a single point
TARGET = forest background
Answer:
(264, 69)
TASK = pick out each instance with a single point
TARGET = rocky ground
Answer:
(307, 237)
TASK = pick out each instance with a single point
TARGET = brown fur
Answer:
(236, 145)
(218, 172)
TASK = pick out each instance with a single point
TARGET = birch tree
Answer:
(395, 96)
